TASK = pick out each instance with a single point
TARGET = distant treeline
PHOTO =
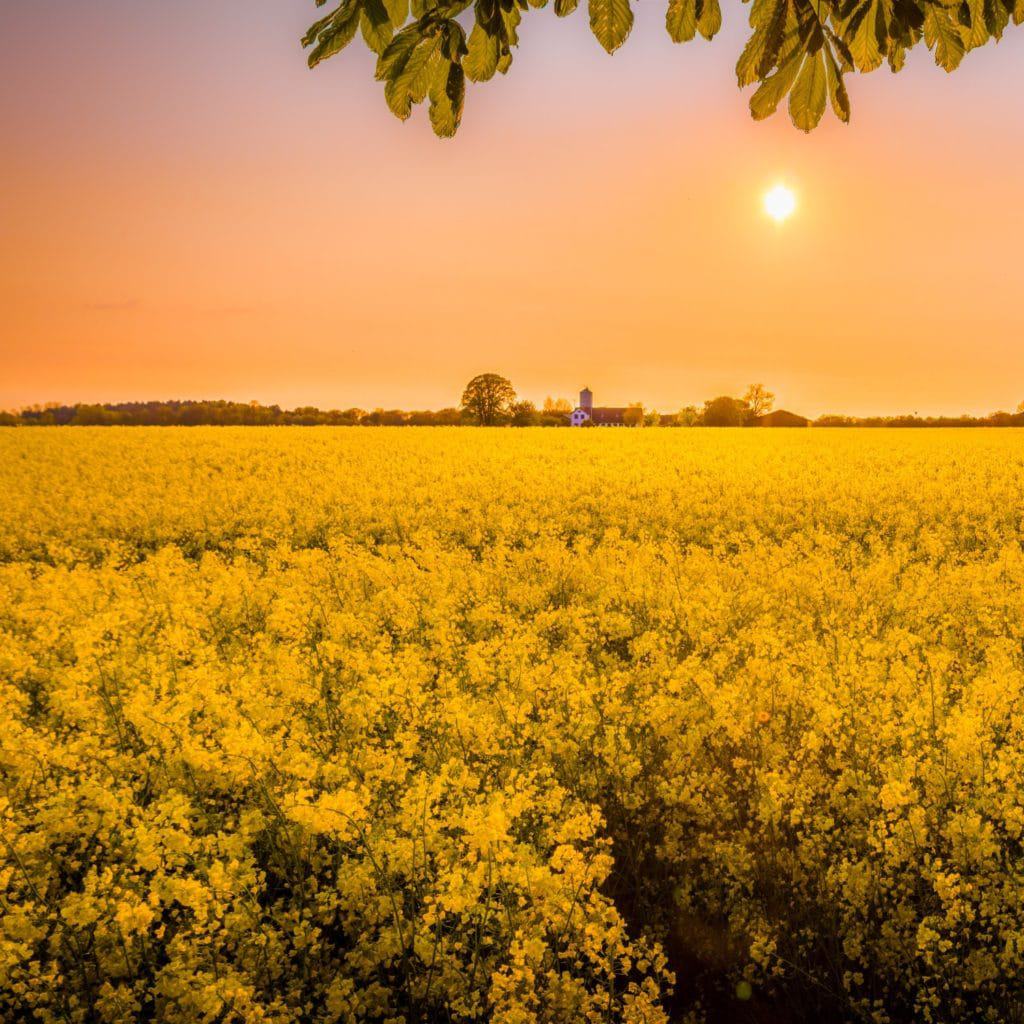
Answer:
(996, 419)
(554, 413)
(225, 414)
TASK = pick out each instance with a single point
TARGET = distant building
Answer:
(587, 414)
(782, 418)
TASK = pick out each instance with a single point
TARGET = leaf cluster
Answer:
(799, 50)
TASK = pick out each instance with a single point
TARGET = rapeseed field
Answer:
(407, 726)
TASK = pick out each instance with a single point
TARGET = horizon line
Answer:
(18, 410)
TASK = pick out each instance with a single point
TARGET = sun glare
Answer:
(780, 203)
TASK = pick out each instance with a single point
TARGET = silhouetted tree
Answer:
(557, 406)
(759, 400)
(386, 418)
(524, 414)
(634, 415)
(487, 398)
(448, 417)
(725, 412)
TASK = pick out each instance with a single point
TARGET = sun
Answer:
(780, 203)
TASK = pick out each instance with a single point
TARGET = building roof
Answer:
(782, 418)
(607, 414)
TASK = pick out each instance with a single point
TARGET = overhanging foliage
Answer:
(799, 49)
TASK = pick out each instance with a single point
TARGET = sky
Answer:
(187, 211)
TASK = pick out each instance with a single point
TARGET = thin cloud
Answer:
(130, 305)
(111, 307)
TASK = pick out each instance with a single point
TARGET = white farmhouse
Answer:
(587, 414)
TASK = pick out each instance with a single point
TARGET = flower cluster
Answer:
(414, 726)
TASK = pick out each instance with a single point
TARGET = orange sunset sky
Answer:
(188, 212)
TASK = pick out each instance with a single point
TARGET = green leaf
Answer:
(511, 19)
(750, 60)
(447, 94)
(375, 23)
(841, 51)
(453, 41)
(563, 8)
(710, 20)
(766, 100)
(481, 62)
(837, 88)
(881, 28)
(761, 12)
(398, 52)
(907, 20)
(775, 36)
(996, 18)
(398, 12)
(412, 81)
(810, 93)
(944, 37)
(334, 37)
(976, 32)
(861, 37)
(318, 26)
(681, 20)
(610, 21)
